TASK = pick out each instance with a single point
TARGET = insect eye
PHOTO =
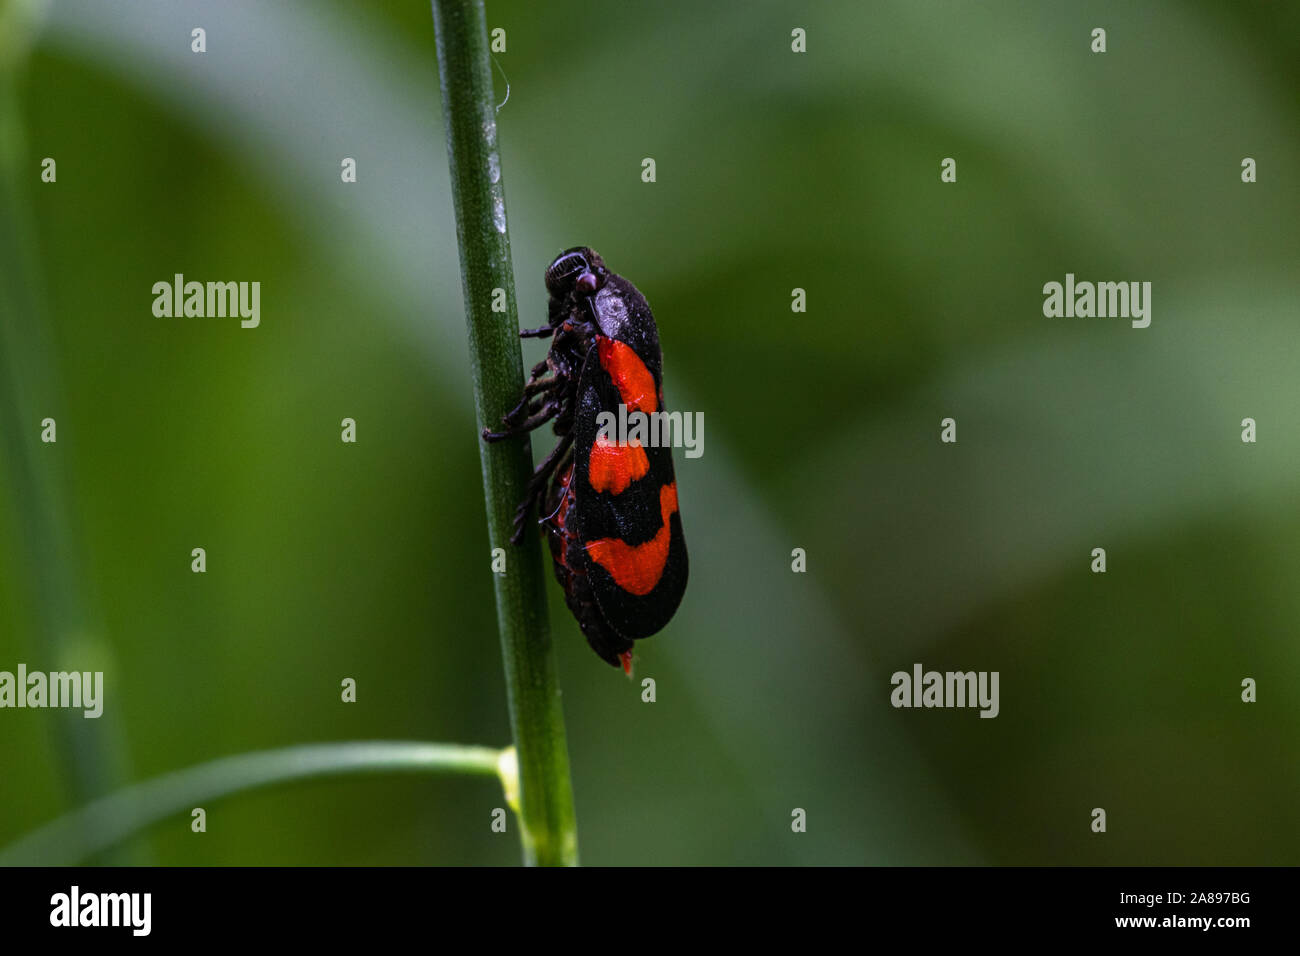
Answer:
(586, 283)
(564, 266)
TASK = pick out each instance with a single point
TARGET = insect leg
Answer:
(537, 485)
(541, 417)
(525, 406)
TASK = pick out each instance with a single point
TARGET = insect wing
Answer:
(625, 508)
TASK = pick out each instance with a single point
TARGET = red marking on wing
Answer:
(612, 467)
(635, 383)
(638, 568)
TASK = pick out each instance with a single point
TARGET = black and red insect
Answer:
(609, 509)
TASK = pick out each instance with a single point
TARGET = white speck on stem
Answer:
(499, 214)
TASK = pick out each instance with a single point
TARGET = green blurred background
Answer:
(775, 170)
